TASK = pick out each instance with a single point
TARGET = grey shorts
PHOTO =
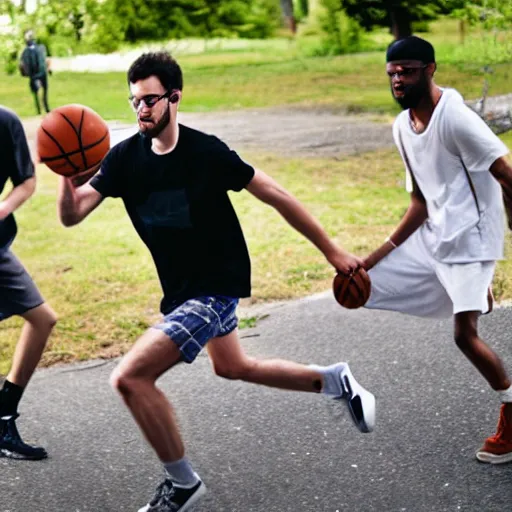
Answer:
(192, 323)
(18, 293)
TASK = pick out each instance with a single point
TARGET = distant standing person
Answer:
(33, 64)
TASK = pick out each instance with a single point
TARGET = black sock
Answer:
(10, 396)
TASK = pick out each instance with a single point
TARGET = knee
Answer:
(122, 382)
(44, 321)
(233, 371)
(51, 319)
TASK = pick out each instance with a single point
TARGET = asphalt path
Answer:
(265, 450)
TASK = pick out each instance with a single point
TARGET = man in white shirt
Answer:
(440, 260)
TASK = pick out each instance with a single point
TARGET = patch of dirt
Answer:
(294, 131)
(285, 131)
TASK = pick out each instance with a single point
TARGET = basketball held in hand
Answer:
(72, 139)
(352, 291)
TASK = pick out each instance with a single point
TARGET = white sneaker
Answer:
(361, 403)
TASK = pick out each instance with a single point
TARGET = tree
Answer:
(164, 19)
(398, 15)
(491, 14)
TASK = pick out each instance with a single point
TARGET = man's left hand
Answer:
(345, 262)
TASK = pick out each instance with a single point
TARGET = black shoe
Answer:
(11, 444)
(172, 498)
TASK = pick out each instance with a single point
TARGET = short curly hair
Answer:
(159, 64)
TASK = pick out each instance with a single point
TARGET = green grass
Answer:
(101, 281)
(356, 83)
(278, 72)
(99, 277)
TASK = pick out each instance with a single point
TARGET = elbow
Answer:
(67, 223)
(68, 220)
(32, 185)
(29, 187)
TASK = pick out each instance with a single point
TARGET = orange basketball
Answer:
(72, 139)
(352, 291)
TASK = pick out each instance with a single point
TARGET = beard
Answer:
(412, 94)
(153, 130)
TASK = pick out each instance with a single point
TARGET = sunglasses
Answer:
(406, 71)
(150, 100)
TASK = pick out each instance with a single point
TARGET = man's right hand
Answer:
(84, 176)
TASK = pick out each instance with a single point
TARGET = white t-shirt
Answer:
(456, 231)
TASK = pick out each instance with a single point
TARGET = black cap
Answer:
(411, 48)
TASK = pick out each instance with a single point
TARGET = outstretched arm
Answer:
(269, 191)
(502, 171)
(17, 196)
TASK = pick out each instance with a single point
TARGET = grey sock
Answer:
(181, 473)
(331, 376)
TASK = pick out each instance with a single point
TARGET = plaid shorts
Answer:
(192, 323)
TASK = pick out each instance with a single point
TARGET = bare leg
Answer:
(497, 448)
(39, 323)
(230, 361)
(135, 378)
(474, 348)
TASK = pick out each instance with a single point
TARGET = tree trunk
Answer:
(400, 22)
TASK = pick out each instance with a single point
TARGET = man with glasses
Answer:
(440, 260)
(18, 294)
(174, 182)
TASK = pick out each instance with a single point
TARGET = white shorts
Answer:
(411, 281)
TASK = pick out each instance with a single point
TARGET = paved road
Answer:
(264, 450)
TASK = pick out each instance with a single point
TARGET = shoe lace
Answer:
(163, 496)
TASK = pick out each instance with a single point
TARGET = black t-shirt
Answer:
(16, 164)
(179, 205)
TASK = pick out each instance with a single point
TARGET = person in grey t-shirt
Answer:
(18, 293)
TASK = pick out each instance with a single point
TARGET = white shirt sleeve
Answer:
(468, 136)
